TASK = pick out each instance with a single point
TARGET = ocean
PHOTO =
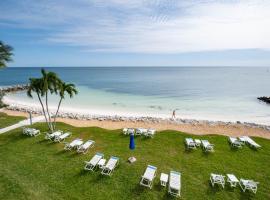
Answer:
(204, 93)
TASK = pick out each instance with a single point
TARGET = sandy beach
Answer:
(196, 129)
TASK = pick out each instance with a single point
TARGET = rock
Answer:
(264, 99)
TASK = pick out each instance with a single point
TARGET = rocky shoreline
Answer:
(14, 88)
(264, 99)
(154, 120)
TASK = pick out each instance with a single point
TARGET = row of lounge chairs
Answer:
(31, 131)
(60, 136)
(174, 186)
(193, 144)
(233, 181)
(57, 136)
(79, 145)
(139, 131)
(98, 161)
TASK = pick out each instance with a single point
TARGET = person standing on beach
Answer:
(173, 114)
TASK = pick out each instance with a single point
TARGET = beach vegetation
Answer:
(5, 54)
(49, 84)
(2, 94)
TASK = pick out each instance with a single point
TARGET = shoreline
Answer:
(196, 127)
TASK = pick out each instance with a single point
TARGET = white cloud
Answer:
(153, 26)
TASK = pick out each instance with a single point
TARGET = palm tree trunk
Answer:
(57, 112)
(49, 115)
(43, 109)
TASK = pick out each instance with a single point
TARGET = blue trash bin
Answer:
(131, 142)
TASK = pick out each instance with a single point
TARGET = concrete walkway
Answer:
(22, 123)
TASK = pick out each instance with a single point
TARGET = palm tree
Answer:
(50, 84)
(36, 86)
(5, 54)
(63, 89)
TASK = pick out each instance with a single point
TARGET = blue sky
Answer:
(137, 33)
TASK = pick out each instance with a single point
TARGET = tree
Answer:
(63, 89)
(5, 54)
(36, 86)
(48, 84)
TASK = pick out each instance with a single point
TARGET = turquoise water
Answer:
(223, 93)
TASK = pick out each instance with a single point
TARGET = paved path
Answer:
(22, 123)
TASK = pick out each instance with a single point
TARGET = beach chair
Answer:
(62, 137)
(31, 131)
(130, 131)
(51, 136)
(110, 166)
(217, 179)
(207, 146)
(248, 185)
(242, 139)
(190, 144)
(91, 165)
(174, 183)
(151, 132)
(141, 131)
(232, 180)
(252, 143)
(198, 142)
(86, 146)
(235, 142)
(148, 176)
(26, 131)
(74, 144)
(125, 131)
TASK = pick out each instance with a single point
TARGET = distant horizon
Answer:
(132, 66)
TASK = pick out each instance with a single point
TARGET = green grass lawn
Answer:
(32, 168)
(6, 120)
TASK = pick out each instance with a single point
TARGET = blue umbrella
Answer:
(131, 142)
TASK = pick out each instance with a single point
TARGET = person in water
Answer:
(173, 114)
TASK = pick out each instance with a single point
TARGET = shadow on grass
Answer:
(42, 141)
(169, 196)
(61, 152)
(212, 190)
(246, 195)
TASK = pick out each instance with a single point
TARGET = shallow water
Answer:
(223, 93)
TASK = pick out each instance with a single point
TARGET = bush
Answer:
(2, 94)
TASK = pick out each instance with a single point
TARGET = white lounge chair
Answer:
(31, 131)
(248, 185)
(235, 142)
(150, 132)
(91, 165)
(148, 176)
(198, 142)
(74, 144)
(232, 180)
(62, 137)
(110, 166)
(53, 135)
(86, 146)
(217, 179)
(125, 131)
(190, 144)
(251, 142)
(242, 139)
(141, 131)
(130, 131)
(207, 146)
(175, 183)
